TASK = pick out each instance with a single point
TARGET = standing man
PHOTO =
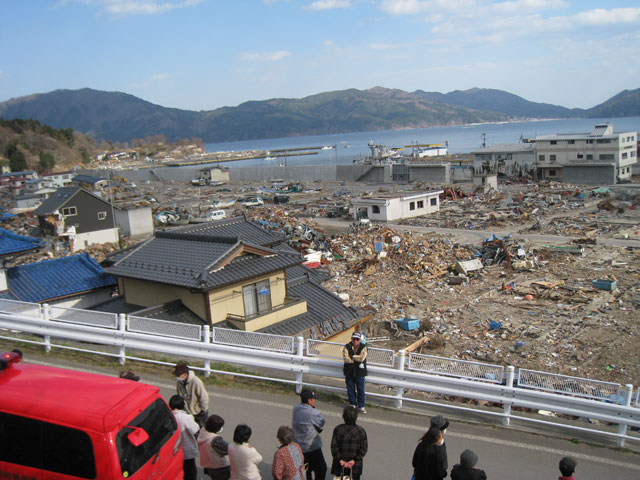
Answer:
(191, 389)
(307, 424)
(188, 429)
(354, 355)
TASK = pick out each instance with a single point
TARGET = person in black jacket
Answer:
(465, 471)
(354, 355)
(430, 456)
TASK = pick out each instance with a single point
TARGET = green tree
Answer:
(46, 162)
(85, 158)
(17, 161)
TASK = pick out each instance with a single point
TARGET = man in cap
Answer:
(441, 423)
(354, 355)
(465, 471)
(191, 389)
(307, 423)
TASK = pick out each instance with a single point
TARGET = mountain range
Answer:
(121, 117)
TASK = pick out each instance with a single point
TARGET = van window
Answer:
(46, 446)
(159, 423)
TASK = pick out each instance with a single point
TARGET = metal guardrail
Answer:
(23, 308)
(399, 379)
(456, 368)
(263, 341)
(375, 356)
(166, 328)
(581, 387)
(83, 317)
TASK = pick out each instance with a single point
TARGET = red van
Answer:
(60, 424)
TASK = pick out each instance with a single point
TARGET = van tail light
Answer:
(8, 358)
(176, 446)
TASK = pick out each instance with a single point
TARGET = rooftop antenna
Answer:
(484, 140)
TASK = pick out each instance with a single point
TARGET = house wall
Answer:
(150, 294)
(135, 221)
(87, 207)
(433, 173)
(395, 208)
(85, 301)
(83, 240)
(589, 174)
(263, 321)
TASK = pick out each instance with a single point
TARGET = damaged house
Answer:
(72, 219)
(230, 273)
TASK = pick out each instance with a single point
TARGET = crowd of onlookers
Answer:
(300, 455)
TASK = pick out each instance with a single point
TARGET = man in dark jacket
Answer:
(354, 355)
(465, 471)
(349, 445)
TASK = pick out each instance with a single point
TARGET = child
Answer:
(188, 429)
(465, 471)
(567, 468)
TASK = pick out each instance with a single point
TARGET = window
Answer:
(606, 156)
(624, 154)
(102, 215)
(553, 142)
(603, 140)
(375, 209)
(434, 202)
(589, 156)
(552, 158)
(571, 142)
(69, 211)
(589, 141)
(420, 203)
(552, 173)
(633, 154)
(257, 298)
(541, 158)
(159, 423)
(580, 155)
(46, 446)
(412, 205)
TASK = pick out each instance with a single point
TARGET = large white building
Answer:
(393, 206)
(596, 152)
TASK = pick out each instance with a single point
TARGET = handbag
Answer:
(342, 475)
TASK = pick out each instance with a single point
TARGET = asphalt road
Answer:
(393, 435)
(503, 453)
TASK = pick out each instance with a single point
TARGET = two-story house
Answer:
(602, 156)
(76, 218)
(230, 273)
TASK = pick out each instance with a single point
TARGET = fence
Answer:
(576, 397)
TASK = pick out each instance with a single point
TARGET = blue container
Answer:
(604, 284)
(408, 323)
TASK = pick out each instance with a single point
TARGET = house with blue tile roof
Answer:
(229, 273)
(76, 281)
(12, 244)
(77, 218)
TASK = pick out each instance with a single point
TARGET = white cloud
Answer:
(150, 82)
(135, 7)
(265, 57)
(328, 4)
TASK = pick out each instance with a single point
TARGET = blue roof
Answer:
(61, 277)
(13, 243)
(6, 216)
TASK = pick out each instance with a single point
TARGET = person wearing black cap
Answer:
(354, 355)
(191, 389)
(464, 470)
(307, 423)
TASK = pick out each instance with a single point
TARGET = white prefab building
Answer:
(386, 208)
(594, 151)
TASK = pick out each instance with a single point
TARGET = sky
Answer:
(206, 54)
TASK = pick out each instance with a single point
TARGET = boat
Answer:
(327, 147)
(429, 149)
(224, 204)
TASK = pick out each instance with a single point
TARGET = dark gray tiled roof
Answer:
(237, 227)
(191, 261)
(326, 313)
(56, 200)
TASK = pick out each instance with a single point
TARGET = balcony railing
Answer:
(288, 302)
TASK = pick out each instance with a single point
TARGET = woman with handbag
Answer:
(430, 456)
(348, 446)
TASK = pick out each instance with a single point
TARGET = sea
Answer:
(347, 147)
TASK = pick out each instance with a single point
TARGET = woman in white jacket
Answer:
(214, 449)
(243, 457)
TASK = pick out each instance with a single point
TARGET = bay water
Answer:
(348, 147)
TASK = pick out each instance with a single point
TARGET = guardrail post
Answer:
(400, 367)
(206, 333)
(122, 328)
(506, 419)
(299, 353)
(622, 428)
(46, 316)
